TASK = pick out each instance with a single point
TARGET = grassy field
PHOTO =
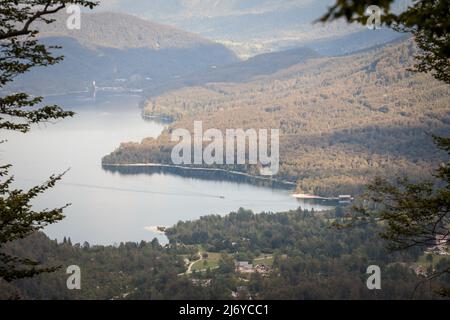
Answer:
(211, 262)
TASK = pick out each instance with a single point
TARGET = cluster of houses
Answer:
(439, 246)
(241, 292)
(201, 282)
(345, 199)
(420, 271)
(245, 267)
(342, 199)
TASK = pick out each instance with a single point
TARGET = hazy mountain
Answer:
(353, 42)
(248, 27)
(190, 9)
(243, 71)
(119, 30)
(120, 50)
(269, 63)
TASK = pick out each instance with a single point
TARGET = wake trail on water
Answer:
(100, 187)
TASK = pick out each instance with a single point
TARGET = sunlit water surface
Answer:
(108, 208)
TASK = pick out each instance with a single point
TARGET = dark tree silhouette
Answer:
(412, 214)
(21, 51)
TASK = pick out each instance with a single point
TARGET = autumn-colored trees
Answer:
(341, 120)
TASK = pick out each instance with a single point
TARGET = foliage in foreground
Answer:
(20, 51)
(413, 214)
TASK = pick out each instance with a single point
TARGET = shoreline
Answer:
(159, 165)
(157, 230)
(342, 199)
(308, 196)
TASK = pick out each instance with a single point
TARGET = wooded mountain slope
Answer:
(342, 120)
(121, 31)
(111, 46)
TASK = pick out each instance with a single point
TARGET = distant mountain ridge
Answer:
(252, 27)
(354, 42)
(114, 46)
(269, 63)
(242, 71)
(122, 31)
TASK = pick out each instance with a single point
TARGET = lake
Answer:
(110, 207)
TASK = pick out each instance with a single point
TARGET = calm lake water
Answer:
(108, 207)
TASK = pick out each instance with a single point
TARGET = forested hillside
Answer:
(342, 120)
(303, 258)
(121, 31)
(107, 272)
(116, 49)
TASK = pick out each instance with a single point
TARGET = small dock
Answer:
(342, 199)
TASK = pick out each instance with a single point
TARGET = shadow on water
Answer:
(212, 175)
